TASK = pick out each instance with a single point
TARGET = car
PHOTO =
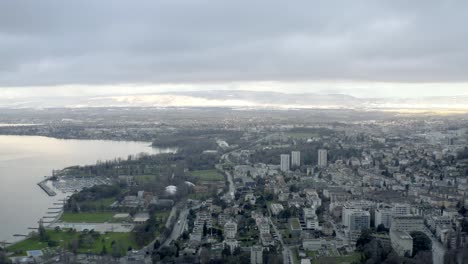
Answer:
(178, 222)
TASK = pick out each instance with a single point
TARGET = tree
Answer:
(381, 228)
(157, 244)
(364, 239)
(103, 250)
(3, 257)
(226, 252)
(420, 242)
(205, 229)
(43, 236)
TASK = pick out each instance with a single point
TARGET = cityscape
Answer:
(237, 132)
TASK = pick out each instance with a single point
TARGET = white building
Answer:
(322, 158)
(311, 219)
(408, 223)
(356, 221)
(355, 205)
(295, 158)
(285, 162)
(401, 209)
(256, 255)
(383, 216)
(230, 229)
(263, 225)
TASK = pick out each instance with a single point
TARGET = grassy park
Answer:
(64, 238)
(207, 175)
(338, 259)
(87, 217)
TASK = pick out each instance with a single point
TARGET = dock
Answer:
(46, 188)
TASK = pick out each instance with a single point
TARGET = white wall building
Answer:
(256, 255)
(322, 158)
(383, 216)
(401, 209)
(311, 219)
(230, 229)
(407, 223)
(295, 158)
(285, 162)
(356, 221)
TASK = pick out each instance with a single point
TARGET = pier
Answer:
(46, 188)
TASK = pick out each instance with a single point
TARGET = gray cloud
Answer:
(194, 41)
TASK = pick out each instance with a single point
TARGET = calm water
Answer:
(25, 160)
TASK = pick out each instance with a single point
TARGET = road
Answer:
(339, 234)
(179, 227)
(287, 253)
(232, 187)
(225, 157)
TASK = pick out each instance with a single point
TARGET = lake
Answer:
(25, 160)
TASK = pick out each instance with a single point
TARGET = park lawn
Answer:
(301, 135)
(311, 254)
(163, 215)
(104, 202)
(87, 217)
(145, 179)
(208, 175)
(125, 240)
(339, 260)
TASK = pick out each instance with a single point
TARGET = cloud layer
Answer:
(151, 42)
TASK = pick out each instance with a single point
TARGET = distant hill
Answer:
(246, 99)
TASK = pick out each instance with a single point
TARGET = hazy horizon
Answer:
(385, 49)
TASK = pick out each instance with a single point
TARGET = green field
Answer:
(301, 135)
(87, 217)
(338, 260)
(104, 202)
(207, 175)
(125, 240)
(162, 216)
(145, 179)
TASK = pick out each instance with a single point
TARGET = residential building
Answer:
(401, 209)
(230, 229)
(295, 158)
(383, 216)
(256, 255)
(407, 223)
(322, 158)
(311, 219)
(285, 162)
(356, 220)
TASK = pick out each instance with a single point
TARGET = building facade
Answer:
(295, 158)
(285, 162)
(322, 158)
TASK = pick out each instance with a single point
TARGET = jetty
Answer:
(46, 188)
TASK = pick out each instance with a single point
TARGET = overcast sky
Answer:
(362, 48)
